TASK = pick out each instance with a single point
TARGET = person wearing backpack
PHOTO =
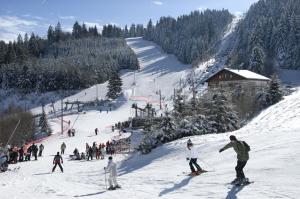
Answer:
(242, 150)
(57, 161)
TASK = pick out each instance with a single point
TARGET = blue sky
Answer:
(21, 16)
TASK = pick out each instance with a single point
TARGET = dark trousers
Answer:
(62, 170)
(193, 161)
(239, 169)
(62, 151)
(90, 156)
(35, 155)
(21, 157)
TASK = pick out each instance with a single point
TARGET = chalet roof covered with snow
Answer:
(249, 75)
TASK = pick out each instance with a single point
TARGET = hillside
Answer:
(269, 37)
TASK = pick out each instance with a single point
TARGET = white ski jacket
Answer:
(192, 153)
(111, 168)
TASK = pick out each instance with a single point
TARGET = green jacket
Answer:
(239, 148)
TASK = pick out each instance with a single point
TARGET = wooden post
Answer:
(62, 115)
(160, 99)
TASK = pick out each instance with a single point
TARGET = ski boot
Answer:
(235, 181)
(243, 181)
(117, 187)
(111, 188)
(201, 171)
(195, 173)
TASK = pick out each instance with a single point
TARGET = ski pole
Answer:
(207, 164)
(105, 180)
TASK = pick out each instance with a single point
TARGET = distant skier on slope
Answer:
(112, 179)
(242, 149)
(57, 161)
(34, 151)
(192, 157)
(63, 148)
(41, 149)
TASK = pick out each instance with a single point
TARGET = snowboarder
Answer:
(96, 131)
(192, 157)
(112, 170)
(41, 149)
(57, 161)
(63, 148)
(242, 149)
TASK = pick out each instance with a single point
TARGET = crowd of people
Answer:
(15, 154)
(97, 151)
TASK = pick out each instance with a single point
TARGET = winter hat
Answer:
(189, 143)
(110, 157)
(232, 138)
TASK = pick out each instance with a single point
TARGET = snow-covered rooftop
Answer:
(247, 74)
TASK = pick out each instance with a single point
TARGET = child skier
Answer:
(192, 157)
(242, 149)
(112, 170)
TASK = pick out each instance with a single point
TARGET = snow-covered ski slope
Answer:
(273, 166)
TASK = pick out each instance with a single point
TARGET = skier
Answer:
(63, 148)
(69, 132)
(28, 154)
(112, 179)
(90, 153)
(3, 162)
(242, 149)
(41, 149)
(34, 151)
(96, 131)
(57, 161)
(21, 154)
(192, 157)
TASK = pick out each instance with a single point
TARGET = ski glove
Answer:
(221, 150)
(187, 158)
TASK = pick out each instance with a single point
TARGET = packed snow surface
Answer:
(273, 137)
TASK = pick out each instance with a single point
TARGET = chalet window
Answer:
(220, 77)
(225, 76)
(230, 76)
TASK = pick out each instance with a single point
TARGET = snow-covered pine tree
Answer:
(275, 92)
(179, 105)
(221, 115)
(257, 60)
(43, 123)
(114, 86)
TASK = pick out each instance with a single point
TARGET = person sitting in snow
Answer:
(192, 157)
(112, 178)
(242, 150)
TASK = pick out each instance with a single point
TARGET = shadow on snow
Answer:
(177, 186)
